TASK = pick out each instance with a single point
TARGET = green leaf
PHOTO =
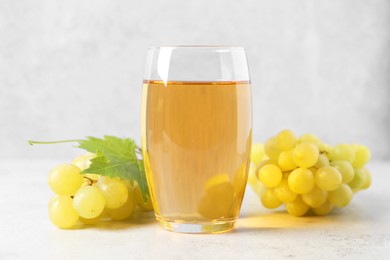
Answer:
(116, 157)
(114, 148)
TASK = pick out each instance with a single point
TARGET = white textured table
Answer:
(360, 231)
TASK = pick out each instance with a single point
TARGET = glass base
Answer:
(196, 228)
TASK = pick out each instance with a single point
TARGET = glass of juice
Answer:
(196, 135)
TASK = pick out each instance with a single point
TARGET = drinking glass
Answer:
(196, 135)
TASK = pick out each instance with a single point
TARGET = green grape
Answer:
(341, 196)
(264, 162)
(269, 199)
(114, 191)
(342, 152)
(324, 209)
(217, 201)
(61, 212)
(286, 140)
(305, 155)
(346, 170)
(257, 153)
(301, 181)
(89, 202)
(53, 199)
(124, 211)
(83, 161)
(362, 156)
(368, 179)
(322, 161)
(328, 178)
(283, 192)
(270, 175)
(358, 180)
(92, 221)
(286, 161)
(315, 198)
(310, 138)
(271, 148)
(145, 205)
(215, 180)
(298, 207)
(65, 179)
(221, 192)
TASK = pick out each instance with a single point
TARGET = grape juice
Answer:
(196, 139)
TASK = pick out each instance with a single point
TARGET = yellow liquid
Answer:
(196, 139)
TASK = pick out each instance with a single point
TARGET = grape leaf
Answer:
(116, 157)
(113, 148)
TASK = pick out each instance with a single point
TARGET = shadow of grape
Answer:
(351, 216)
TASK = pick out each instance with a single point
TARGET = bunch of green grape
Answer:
(305, 174)
(90, 198)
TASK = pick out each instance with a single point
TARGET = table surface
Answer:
(360, 231)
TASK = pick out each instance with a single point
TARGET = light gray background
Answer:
(69, 69)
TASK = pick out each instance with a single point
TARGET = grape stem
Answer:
(90, 180)
(31, 142)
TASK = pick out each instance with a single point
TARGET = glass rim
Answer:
(197, 47)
